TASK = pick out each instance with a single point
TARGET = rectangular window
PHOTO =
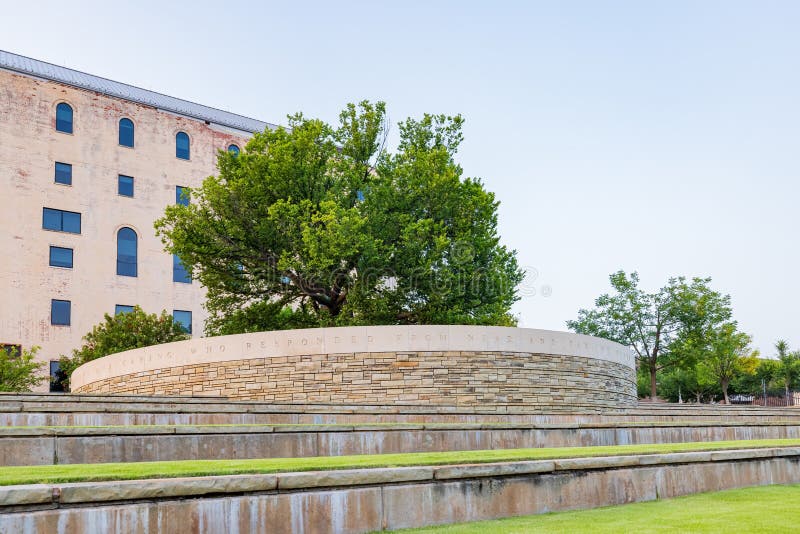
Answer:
(56, 377)
(11, 349)
(182, 195)
(125, 186)
(63, 173)
(179, 273)
(122, 308)
(60, 257)
(60, 312)
(183, 318)
(61, 221)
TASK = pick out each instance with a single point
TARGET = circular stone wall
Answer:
(488, 368)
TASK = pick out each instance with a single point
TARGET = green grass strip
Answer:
(187, 468)
(764, 509)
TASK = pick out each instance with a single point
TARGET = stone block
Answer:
(494, 469)
(164, 488)
(353, 477)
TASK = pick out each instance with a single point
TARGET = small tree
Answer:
(691, 381)
(728, 355)
(768, 375)
(121, 332)
(19, 371)
(788, 367)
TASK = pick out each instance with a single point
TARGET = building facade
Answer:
(86, 166)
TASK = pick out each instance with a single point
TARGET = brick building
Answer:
(86, 165)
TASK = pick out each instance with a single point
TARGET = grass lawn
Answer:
(760, 509)
(140, 470)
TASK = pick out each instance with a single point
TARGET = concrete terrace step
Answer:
(70, 445)
(365, 500)
(118, 490)
(92, 410)
(122, 430)
(224, 404)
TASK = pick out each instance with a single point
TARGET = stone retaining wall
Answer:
(104, 410)
(367, 500)
(48, 446)
(490, 367)
(562, 383)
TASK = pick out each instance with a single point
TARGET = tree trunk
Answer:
(724, 385)
(653, 392)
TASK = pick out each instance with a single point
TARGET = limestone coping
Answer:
(129, 490)
(356, 339)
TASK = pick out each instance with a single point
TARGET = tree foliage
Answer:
(726, 355)
(657, 326)
(19, 370)
(690, 381)
(788, 367)
(317, 225)
(121, 332)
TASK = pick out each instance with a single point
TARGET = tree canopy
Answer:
(317, 225)
(660, 327)
(726, 355)
(121, 332)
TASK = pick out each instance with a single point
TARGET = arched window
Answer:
(126, 252)
(182, 145)
(126, 132)
(64, 118)
(234, 149)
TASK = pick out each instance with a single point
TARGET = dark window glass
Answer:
(125, 186)
(60, 257)
(63, 173)
(179, 273)
(182, 196)
(234, 149)
(126, 252)
(126, 132)
(52, 219)
(57, 377)
(60, 312)
(183, 318)
(62, 221)
(72, 222)
(182, 145)
(64, 118)
(122, 308)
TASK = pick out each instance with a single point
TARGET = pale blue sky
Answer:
(654, 136)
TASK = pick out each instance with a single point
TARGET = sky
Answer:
(658, 137)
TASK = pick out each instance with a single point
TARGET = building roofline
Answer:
(82, 80)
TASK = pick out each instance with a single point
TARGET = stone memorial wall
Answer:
(379, 365)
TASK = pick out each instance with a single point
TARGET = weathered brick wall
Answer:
(29, 148)
(462, 378)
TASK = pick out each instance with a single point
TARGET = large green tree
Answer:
(657, 326)
(316, 225)
(121, 332)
